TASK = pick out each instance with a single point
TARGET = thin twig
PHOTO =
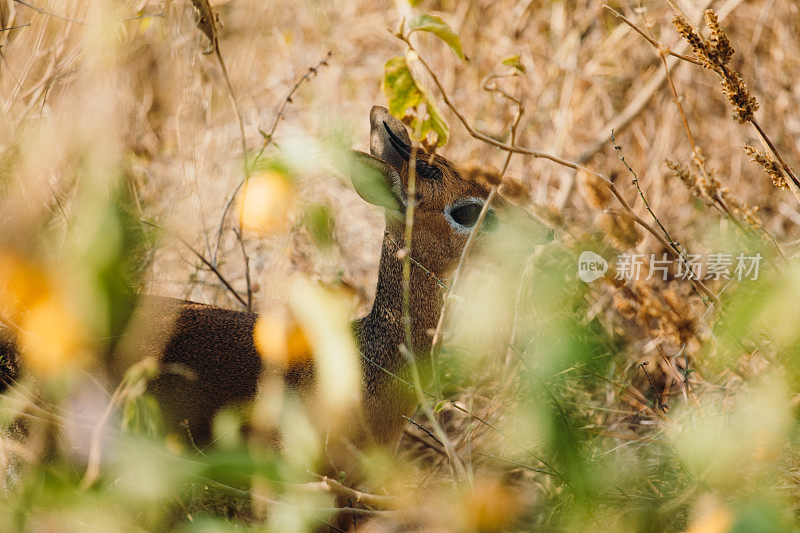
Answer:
(246, 259)
(675, 245)
(206, 262)
(15, 27)
(424, 430)
(457, 466)
(649, 39)
(661, 405)
(357, 496)
(310, 73)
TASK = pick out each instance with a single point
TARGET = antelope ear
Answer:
(376, 181)
(388, 138)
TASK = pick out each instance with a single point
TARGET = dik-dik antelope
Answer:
(215, 348)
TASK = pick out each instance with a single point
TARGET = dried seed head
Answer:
(481, 173)
(750, 215)
(707, 183)
(515, 190)
(620, 229)
(207, 21)
(695, 40)
(771, 167)
(744, 105)
(624, 306)
(593, 190)
(720, 48)
(715, 194)
(680, 171)
(715, 54)
(650, 306)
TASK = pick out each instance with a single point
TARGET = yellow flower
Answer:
(265, 202)
(716, 520)
(50, 334)
(280, 339)
(492, 505)
(21, 284)
(52, 338)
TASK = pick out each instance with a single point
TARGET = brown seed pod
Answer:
(593, 190)
(515, 190)
(620, 229)
(481, 173)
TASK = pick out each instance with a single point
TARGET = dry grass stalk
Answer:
(771, 167)
(715, 54)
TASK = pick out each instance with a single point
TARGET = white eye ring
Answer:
(461, 228)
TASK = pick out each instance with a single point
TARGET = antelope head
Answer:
(447, 204)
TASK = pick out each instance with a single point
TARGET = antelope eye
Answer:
(466, 215)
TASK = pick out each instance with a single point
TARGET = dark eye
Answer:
(466, 215)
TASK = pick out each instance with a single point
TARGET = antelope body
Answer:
(214, 350)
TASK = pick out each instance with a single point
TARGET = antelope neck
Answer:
(385, 320)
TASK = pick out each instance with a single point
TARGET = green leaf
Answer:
(515, 63)
(435, 25)
(319, 222)
(440, 406)
(142, 416)
(404, 92)
(400, 87)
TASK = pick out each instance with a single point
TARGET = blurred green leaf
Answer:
(370, 180)
(515, 63)
(319, 222)
(762, 517)
(142, 416)
(228, 428)
(402, 91)
(437, 26)
(405, 93)
(238, 467)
